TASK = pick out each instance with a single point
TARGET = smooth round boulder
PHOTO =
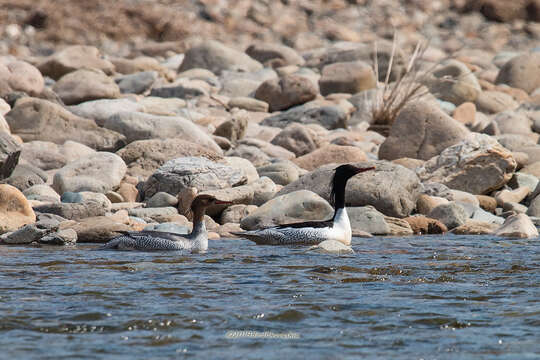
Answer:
(285, 92)
(16, 75)
(296, 206)
(100, 172)
(330, 154)
(453, 81)
(517, 226)
(421, 130)
(347, 77)
(451, 215)
(299, 139)
(85, 85)
(522, 72)
(15, 210)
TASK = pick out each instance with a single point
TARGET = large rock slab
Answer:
(329, 117)
(451, 215)
(421, 131)
(368, 219)
(521, 72)
(98, 229)
(216, 57)
(477, 165)
(330, 154)
(73, 58)
(15, 210)
(16, 75)
(285, 92)
(85, 85)
(201, 173)
(36, 119)
(10, 150)
(391, 189)
(297, 206)
(143, 157)
(517, 226)
(99, 172)
(73, 211)
(140, 126)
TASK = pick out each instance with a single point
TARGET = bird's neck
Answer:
(339, 200)
(198, 221)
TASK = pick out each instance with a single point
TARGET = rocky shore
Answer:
(113, 135)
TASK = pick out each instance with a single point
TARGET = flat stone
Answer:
(332, 247)
(101, 110)
(136, 83)
(368, 219)
(475, 227)
(248, 103)
(330, 117)
(73, 211)
(265, 52)
(85, 85)
(98, 229)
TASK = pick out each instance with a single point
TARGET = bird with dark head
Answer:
(314, 232)
(196, 241)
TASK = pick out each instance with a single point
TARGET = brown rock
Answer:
(330, 154)
(99, 229)
(299, 139)
(465, 113)
(235, 128)
(423, 225)
(346, 77)
(20, 76)
(398, 226)
(74, 58)
(426, 203)
(36, 119)
(516, 196)
(493, 102)
(487, 203)
(85, 85)
(264, 52)
(128, 192)
(15, 210)
(475, 227)
(285, 92)
(73, 211)
(521, 72)
(421, 131)
(517, 226)
(409, 163)
(533, 169)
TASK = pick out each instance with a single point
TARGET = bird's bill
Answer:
(361, 170)
(221, 202)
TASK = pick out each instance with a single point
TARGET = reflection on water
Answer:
(421, 297)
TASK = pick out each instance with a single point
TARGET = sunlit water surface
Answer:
(439, 297)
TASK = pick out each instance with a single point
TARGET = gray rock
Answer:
(273, 151)
(281, 173)
(515, 142)
(391, 189)
(523, 180)
(286, 92)
(153, 214)
(264, 52)
(235, 128)
(452, 215)
(161, 199)
(293, 207)
(136, 83)
(510, 122)
(521, 72)
(10, 150)
(201, 173)
(477, 165)
(16, 75)
(183, 89)
(169, 227)
(143, 157)
(36, 119)
(60, 238)
(85, 85)
(101, 110)
(236, 84)
(140, 126)
(297, 138)
(41, 192)
(73, 211)
(252, 153)
(247, 103)
(368, 219)
(332, 247)
(100, 172)
(25, 176)
(245, 166)
(25, 235)
(454, 82)
(71, 197)
(330, 117)
(534, 206)
(235, 213)
(493, 102)
(421, 131)
(216, 57)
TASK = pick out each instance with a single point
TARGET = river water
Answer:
(444, 297)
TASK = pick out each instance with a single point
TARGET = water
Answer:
(402, 298)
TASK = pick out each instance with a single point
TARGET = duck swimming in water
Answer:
(314, 232)
(158, 240)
